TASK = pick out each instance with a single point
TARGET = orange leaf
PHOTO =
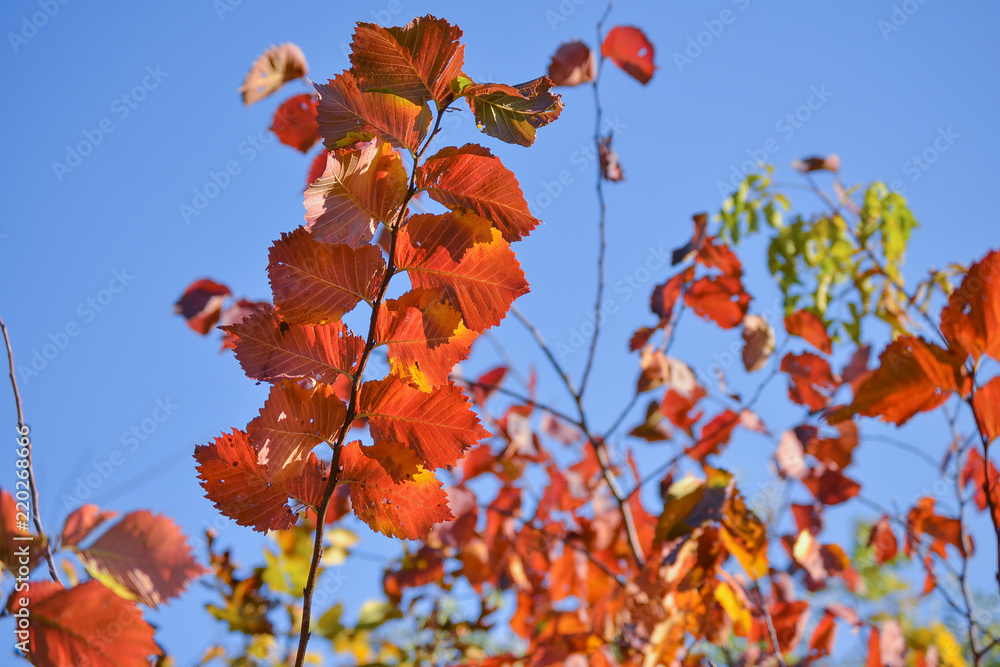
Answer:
(438, 426)
(145, 553)
(417, 62)
(316, 283)
(986, 405)
(715, 254)
(884, 541)
(573, 63)
(425, 337)
(346, 115)
(971, 320)
(677, 407)
(84, 625)
(482, 285)
(714, 435)
(292, 422)
(811, 380)
(472, 177)
(830, 486)
(295, 122)
(720, 299)
(201, 304)
(806, 324)
(629, 48)
(943, 530)
(665, 296)
(83, 521)
(14, 528)
(237, 485)
(269, 349)
(278, 66)
(361, 186)
(821, 642)
(406, 510)
(913, 376)
(974, 473)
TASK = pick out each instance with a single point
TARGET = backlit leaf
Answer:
(811, 382)
(361, 186)
(971, 320)
(406, 510)
(316, 283)
(830, 486)
(573, 63)
(472, 177)
(512, 113)
(628, 47)
(83, 521)
(292, 422)
(295, 122)
(720, 299)
(346, 114)
(806, 324)
(269, 349)
(417, 62)
(714, 435)
(439, 426)
(84, 625)
(278, 66)
(986, 404)
(145, 553)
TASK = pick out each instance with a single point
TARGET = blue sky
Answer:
(100, 248)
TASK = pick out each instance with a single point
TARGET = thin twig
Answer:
(602, 207)
(23, 431)
(519, 397)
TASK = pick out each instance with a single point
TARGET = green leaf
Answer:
(511, 113)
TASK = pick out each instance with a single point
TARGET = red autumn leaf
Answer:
(677, 407)
(316, 283)
(943, 531)
(640, 337)
(145, 553)
(884, 541)
(82, 522)
(512, 113)
(439, 426)
(974, 473)
(913, 376)
(295, 122)
(424, 336)
(986, 406)
(839, 450)
(821, 642)
(405, 509)
(573, 63)
(482, 285)
(201, 304)
(629, 48)
(269, 349)
(13, 529)
(362, 185)
(697, 240)
(487, 383)
(811, 382)
(665, 296)
(806, 324)
(345, 115)
(807, 518)
(815, 163)
(611, 168)
(472, 177)
(276, 67)
(720, 299)
(856, 371)
(971, 320)
(830, 486)
(456, 231)
(235, 314)
(714, 435)
(417, 62)
(789, 619)
(292, 422)
(84, 625)
(715, 254)
(238, 487)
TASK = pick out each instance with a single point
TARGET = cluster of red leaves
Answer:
(462, 272)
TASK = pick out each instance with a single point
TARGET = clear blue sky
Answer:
(113, 221)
